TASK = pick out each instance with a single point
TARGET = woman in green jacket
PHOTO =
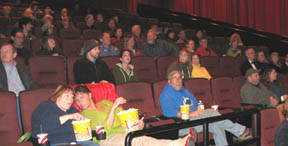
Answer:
(124, 71)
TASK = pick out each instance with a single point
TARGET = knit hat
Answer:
(89, 45)
(250, 72)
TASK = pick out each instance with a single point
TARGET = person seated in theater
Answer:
(155, 47)
(100, 24)
(47, 20)
(89, 22)
(171, 36)
(262, 61)
(254, 92)
(233, 50)
(236, 36)
(285, 65)
(106, 49)
(250, 62)
(6, 11)
(190, 47)
(174, 95)
(14, 77)
(118, 36)
(55, 116)
(275, 62)
(48, 11)
(29, 14)
(199, 35)
(124, 72)
(136, 32)
(26, 25)
(64, 13)
(129, 44)
(203, 49)
(91, 68)
(17, 39)
(198, 71)
(182, 64)
(66, 23)
(104, 113)
(111, 26)
(181, 37)
(49, 48)
(269, 79)
(281, 136)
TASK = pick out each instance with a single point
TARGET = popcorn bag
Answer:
(129, 119)
(82, 130)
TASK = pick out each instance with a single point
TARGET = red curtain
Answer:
(266, 15)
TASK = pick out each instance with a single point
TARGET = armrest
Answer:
(236, 109)
(259, 106)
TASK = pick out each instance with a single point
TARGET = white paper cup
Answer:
(100, 129)
(202, 106)
(215, 107)
(42, 138)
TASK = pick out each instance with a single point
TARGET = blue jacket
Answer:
(47, 115)
(171, 99)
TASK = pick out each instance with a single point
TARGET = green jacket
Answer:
(232, 53)
(99, 117)
(121, 76)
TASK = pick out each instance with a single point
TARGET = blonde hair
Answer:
(171, 73)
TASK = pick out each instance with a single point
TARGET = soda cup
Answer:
(215, 107)
(185, 110)
(42, 138)
(100, 132)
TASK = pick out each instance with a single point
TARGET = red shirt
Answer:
(203, 52)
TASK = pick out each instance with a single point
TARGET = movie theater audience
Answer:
(106, 48)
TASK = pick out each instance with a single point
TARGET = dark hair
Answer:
(82, 89)
(59, 91)
(24, 21)
(14, 31)
(266, 76)
(102, 34)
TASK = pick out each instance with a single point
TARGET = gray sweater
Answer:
(252, 94)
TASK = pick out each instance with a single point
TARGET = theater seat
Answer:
(163, 63)
(157, 90)
(29, 100)
(70, 71)
(48, 71)
(72, 47)
(70, 33)
(91, 34)
(269, 124)
(111, 61)
(211, 63)
(9, 128)
(145, 68)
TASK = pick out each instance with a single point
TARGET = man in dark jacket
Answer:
(155, 48)
(14, 76)
(91, 68)
(250, 62)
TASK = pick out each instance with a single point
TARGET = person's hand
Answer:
(274, 101)
(141, 124)
(197, 112)
(118, 101)
(76, 116)
(104, 81)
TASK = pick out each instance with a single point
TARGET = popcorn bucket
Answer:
(185, 110)
(82, 130)
(129, 119)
